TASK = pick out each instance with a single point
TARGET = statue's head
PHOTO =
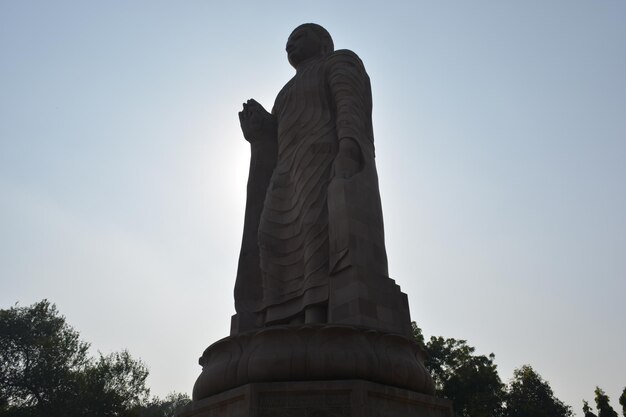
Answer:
(308, 41)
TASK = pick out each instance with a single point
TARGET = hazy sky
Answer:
(500, 131)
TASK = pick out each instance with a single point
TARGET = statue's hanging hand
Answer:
(348, 161)
(257, 124)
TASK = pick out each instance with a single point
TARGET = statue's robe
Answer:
(314, 224)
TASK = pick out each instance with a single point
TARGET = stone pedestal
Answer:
(344, 398)
(314, 371)
(312, 353)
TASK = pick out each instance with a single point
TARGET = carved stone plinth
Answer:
(312, 353)
(363, 298)
(347, 398)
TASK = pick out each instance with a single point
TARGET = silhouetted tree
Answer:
(45, 370)
(417, 335)
(470, 381)
(587, 410)
(603, 405)
(41, 358)
(113, 385)
(622, 401)
(165, 407)
(530, 395)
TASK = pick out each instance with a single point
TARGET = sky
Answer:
(500, 133)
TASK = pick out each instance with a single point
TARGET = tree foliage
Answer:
(113, 385)
(41, 359)
(530, 395)
(45, 371)
(603, 405)
(471, 381)
(587, 410)
(165, 407)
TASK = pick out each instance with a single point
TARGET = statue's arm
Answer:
(352, 100)
(259, 128)
(353, 191)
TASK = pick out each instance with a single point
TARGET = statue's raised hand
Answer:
(257, 124)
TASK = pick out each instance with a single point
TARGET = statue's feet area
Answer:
(312, 353)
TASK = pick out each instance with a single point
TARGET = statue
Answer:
(313, 206)
(320, 327)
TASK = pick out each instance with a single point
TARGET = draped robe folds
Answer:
(313, 223)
